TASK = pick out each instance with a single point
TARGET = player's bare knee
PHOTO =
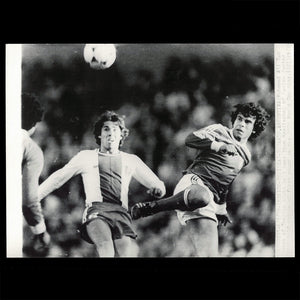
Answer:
(197, 197)
(99, 232)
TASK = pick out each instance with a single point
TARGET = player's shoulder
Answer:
(219, 126)
(212, 127)
(31, 148)
(85, 157)
(220, 129)
(24, 133)
(26, 139)
(130, 157)
(86, 154)
(127, 155)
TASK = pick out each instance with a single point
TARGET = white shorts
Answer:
(208, 211)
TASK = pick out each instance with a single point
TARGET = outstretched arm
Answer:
(144, 175)
(60, 177)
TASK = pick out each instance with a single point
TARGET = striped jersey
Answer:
(106, 177)
(217, 170)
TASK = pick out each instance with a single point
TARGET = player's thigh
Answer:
(125, 247)
(99, 231)
(204, 235)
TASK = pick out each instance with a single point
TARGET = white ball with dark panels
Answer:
(100, 56)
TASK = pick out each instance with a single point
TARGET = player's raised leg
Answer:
(191, 198)
(100, 233)
(204, 235)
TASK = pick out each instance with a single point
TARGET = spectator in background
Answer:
(32, 165)
(200, 196)
(106, 174)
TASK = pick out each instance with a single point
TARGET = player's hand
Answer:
(228, 149)
(41, 242)
(155, 192)
(224, 219)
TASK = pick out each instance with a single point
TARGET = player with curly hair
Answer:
(200, 196)
(106, 173)
(32, 165)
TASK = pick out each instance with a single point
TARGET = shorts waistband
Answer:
(91, 203)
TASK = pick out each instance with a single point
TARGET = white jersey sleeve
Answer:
(144, 175)
(32, 165)
(74, 167)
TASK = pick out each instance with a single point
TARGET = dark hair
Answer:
(32, 111)
(114, 117)
(252, 110)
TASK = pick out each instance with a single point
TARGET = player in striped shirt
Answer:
(106, 173)
(32, 165)
(200, 196)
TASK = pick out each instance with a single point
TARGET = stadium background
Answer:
(165, 91)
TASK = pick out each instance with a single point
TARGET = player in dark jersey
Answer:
(200, 196)
(106, 173)
(32, 165)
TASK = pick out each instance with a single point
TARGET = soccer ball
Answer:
(99, 56)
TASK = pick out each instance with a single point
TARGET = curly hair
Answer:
(114, 117)
(252, 110)
(32, 111)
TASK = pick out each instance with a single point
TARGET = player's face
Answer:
(243, 127)
(110, 136)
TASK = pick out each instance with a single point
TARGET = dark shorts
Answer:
(116, 216)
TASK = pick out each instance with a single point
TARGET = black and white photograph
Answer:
(149, 151)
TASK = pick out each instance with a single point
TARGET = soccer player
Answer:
(32, 165)
(106, 174)
(200, 196)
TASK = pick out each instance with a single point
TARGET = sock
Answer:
(177, 201)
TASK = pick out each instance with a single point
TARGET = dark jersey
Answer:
(217, 170)
(110, 170)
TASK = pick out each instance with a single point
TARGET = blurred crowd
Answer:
(190, 94)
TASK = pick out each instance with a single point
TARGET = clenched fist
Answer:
(155, 192)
